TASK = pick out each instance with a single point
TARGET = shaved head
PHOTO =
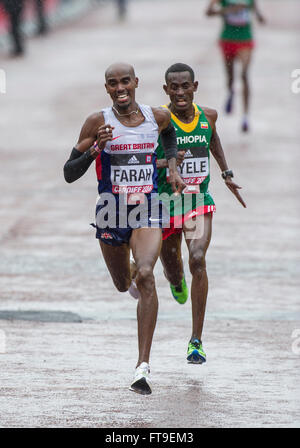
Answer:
(119, 67)
(120, 84)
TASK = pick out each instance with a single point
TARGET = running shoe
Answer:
(229, 102)
(180, 293)
(141, 383)
(196, 354)
(133, 291)
(245, 125)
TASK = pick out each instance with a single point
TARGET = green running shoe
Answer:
(196, 354)
(180, 293)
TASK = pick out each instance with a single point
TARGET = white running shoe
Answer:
(141, 383)
(133, 291)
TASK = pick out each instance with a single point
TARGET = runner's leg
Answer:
(197, 248)
(41, 16)
(245, 57)
(118, 264)
(229, 70)
(16, 27)
(229, 67)
(145, 244)
(171, 259)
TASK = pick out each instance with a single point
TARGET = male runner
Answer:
(122, 139)
(236, 41)
(196, 138)
(15, 9)
(122, 6)
(41, 18)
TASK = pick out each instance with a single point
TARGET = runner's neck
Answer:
(130, 117)
(186, 116)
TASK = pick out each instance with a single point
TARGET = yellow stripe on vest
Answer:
(187, 127)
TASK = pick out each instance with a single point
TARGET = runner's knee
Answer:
(145, 277)
(122, 285)
(197, 263)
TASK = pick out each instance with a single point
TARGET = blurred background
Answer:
(36, 17)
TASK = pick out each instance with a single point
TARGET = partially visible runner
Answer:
(122, 139)
(122, 7)
(15, 10)
(191, 215)
(236, 41)
(42, 24)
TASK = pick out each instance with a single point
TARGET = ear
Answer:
(136, 82)
(196, 86)
(165, 87)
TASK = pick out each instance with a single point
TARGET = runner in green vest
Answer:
(191, 212)
(236, 41)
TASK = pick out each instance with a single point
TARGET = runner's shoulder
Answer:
(94, 120)
(162, 115)
(211, 114)
(90, 128)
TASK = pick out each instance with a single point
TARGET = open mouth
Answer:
(123, 98)
(181, 102)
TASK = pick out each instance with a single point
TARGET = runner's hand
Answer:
(234, 189)
(176, 182)
(104, 135)
(261, 18)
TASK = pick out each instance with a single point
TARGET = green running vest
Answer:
(194, 138)
(237, 25)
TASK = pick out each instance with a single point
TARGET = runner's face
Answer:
(180, 88)
(121, 88)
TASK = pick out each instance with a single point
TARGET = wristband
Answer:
(96, 147)
(227, 173)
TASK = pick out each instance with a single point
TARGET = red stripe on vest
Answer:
(99, 167)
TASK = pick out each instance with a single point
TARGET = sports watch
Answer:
(227, 173)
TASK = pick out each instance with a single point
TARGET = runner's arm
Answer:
(215, 143)
(163, 163)
(214, 8)
(169, 143)
(218, 153)
(168, 138)
(77, 164)
(85, 151)
(258, 14)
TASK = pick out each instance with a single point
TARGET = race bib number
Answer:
(195, 166)
(132, 173)
(239, 18)
(191, 189)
